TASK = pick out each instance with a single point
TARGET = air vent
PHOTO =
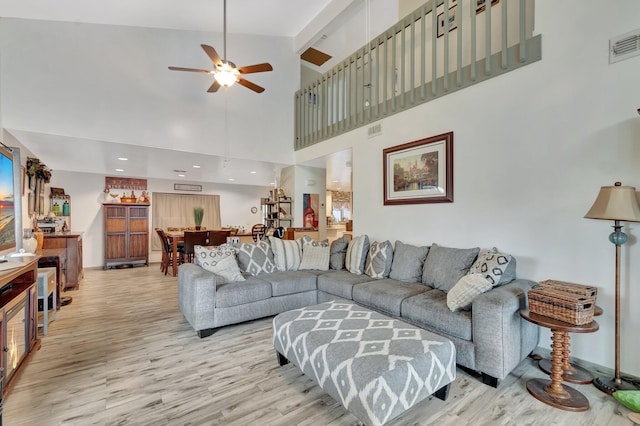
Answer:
(374, 130)
(624, 47)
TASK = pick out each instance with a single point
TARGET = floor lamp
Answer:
(617, 203)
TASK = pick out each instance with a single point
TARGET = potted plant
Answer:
(198, 214)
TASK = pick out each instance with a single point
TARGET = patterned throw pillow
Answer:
(306, 240)
(315, 258)
(379, 260)
(287, 254)
(445, 266)
(256, 258)
(357, 254)
(465, 290)
(494, 266)
(338, 253)
(219, 260)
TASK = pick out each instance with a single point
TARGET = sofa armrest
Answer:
(197, 296)
(501, 337)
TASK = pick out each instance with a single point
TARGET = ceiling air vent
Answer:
(624, 47)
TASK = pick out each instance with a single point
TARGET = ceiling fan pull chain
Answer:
(224, 29)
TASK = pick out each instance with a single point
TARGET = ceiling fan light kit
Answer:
(225, 73)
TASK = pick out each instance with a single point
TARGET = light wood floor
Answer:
(122, 354)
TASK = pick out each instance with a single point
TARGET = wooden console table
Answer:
(72, 243)
(553, 392)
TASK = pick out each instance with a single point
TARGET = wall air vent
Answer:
(624, 47)
(374, 130)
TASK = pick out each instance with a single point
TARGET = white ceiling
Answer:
(285, 18)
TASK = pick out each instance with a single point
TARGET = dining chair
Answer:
(218, 237)
(167, 252)
(192, 239)
(258, 231)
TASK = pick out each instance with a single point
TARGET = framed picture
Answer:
(453, 21)
(419, 172)
(482, 5)
(187, 187)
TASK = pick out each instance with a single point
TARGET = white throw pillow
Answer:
(287, 254)
(219, 260)
(493, 266)
(315, 258)
(357, 254)
(465, 290)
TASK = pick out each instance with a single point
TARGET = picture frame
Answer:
(453, 20)
(187, 187)
(419, 172)
(481, 5)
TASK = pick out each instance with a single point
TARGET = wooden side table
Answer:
(570, 372)
(553, 392)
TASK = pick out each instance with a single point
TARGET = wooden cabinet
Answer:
(126, 234)
(72, 243)
(277, 213)
(18, 318)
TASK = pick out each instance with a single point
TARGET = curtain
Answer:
(176, 210)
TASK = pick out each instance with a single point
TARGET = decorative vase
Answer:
(40, 239)
(198, 227)
(30, 245)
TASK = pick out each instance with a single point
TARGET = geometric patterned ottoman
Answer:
(376, 366)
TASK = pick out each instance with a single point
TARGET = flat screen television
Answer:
(10, 201)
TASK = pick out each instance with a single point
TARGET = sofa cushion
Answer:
(340, 283)
(220, 260)
(465, 290)
(315, 257)
(379, 260)
(407, 262)
(498, 268)
(240, 293)
(338, 253)
(290, 282)
(445, 266)
(256, 258)
(287, 254)
(306, 240)
(386, 295)
(357, 254)
(429, 309)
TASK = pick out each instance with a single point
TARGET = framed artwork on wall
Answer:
(453, 21)
(419, 172)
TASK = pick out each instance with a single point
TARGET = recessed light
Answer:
(195, 166)
(335, 181)
(119, 170)
(180, 175)
(123, 158)
(231, 179)
(253, 173)
(272, 183)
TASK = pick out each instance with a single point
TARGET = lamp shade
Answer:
(616, 203)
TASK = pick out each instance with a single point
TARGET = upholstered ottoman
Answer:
(376, 366)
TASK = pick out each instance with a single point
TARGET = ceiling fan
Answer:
(225, 73)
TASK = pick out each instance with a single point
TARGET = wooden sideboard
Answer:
(18, 310)
(126, 234)
(72, 243)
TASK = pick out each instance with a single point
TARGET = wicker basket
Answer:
(580, 289)
(561, 305)
(128, 200)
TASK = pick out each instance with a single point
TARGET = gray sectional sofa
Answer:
(490, 337)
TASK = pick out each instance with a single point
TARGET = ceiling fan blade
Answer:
(214, 87)
(255, 68)
(250, 85)
(213, 55)
(189, 69)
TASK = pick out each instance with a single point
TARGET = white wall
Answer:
(86, 194)
(111, 83)
(531, 150)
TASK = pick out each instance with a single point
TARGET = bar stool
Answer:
(47, 287)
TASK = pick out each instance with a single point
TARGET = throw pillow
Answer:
(287, 254)
(407, 262)
(256, 258)
(315, 258)
(495, 266)
(465, 290)
(629, 398)
(338, 253)
(306, 240)
(445, 266)
(357, 254)
(379, 260)
(219, 260)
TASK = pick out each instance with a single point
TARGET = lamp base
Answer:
(610, 385)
